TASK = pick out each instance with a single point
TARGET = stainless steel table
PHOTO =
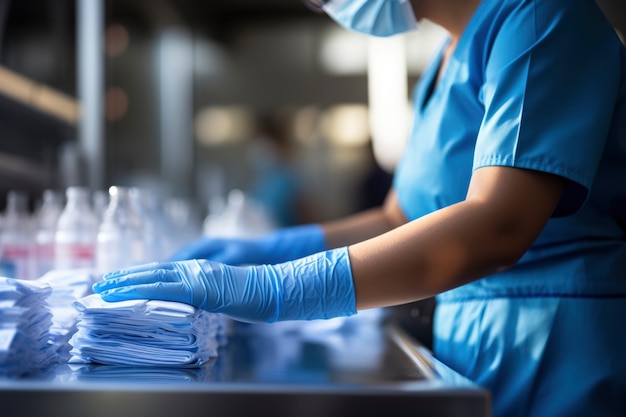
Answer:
(358, 368)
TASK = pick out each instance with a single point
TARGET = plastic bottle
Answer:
(185, 226)
(77, 230)
(46, 225)
(16, 240)
(120, 239)
(212, 224)
(242, 216)
(100, 203)
(155, 225)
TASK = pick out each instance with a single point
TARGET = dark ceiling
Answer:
(215, 17)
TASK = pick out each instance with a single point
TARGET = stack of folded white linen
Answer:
(25, 320)
(144, 333)
(161, 375)
(68, 285)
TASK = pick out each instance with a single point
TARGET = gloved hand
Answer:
(275, 247)
(315, 287)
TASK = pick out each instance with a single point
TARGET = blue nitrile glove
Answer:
(275, 247)
(318, 286)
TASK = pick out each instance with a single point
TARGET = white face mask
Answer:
(373, 17)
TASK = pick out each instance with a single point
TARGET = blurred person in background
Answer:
(375, 184)
(276, 184)
(506, 206)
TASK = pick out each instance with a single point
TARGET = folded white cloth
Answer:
(68, 285)
(144, 332)
(25, 320)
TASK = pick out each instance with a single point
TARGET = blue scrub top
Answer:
(533, 84)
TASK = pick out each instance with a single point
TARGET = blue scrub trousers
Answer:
(539, 356)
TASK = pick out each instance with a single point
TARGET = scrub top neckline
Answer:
(431, 84)
(433, 80)
(467, 34)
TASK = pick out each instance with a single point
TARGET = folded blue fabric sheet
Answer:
(144, 333)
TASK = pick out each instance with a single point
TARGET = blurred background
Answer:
(224, 110)
(193, 99)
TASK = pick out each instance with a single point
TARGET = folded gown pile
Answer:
(25, 320)
(67, 286)
(144, 333)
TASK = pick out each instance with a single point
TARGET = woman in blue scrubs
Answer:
(507, 205)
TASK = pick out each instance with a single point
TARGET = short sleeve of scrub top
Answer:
(532, 84)
(547, 107)
(517, 92)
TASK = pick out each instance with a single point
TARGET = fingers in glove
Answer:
(137, 278)
(166, 291)
(138, 268)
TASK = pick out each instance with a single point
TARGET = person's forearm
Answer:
(364, 225)
(423, 258)
(487, 232)
(355, 228)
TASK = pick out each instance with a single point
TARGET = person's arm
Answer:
(294, 242)
(503, 213)
(364, 225)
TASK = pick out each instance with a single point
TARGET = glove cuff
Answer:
(318, 286)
